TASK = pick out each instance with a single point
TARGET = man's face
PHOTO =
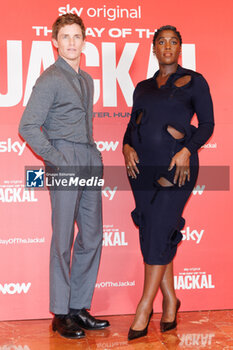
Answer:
(69, 43)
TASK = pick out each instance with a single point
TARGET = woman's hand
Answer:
(131, 160)
(181, 160)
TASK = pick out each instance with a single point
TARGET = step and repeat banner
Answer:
(118, 54)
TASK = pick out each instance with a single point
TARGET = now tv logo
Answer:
(107, 146)
(13, 288)
(198, 190)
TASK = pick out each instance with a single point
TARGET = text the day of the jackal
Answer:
(114, 70)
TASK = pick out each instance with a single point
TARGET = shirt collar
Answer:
(179, 71)
(60, 62)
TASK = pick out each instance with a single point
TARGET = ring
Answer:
(128, 166)
(186, 172)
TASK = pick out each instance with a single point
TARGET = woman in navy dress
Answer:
(160, 150)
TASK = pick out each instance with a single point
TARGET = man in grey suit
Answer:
(61, 104)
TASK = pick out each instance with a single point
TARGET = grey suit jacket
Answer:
(61, 104)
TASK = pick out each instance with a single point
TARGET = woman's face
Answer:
(167, 47)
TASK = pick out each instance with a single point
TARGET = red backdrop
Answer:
(117, 55)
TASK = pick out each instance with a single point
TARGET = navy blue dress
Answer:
(158, 212)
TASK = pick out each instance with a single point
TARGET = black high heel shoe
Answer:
(167, 326)
(133, 334)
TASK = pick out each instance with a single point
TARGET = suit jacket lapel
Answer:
(71, 81)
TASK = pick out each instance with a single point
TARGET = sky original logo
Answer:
(68, 9)
(35, 178)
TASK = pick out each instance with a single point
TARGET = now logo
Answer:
(13, 288)
(198, 190)
(107, 146)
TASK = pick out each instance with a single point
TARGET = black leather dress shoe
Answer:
(133, 334)
(67, 328)
(85, 320)
(167, 326)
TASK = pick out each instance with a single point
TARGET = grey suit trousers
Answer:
(72, 283)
